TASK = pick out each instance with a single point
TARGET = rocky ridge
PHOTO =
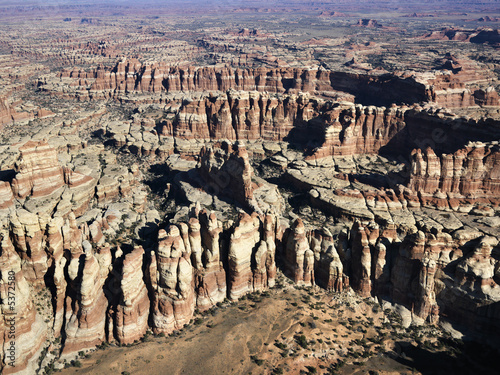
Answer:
(449, 85)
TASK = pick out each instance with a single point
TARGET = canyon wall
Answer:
(471, 174)
(323, 128)
(452, 85)
(133, 76)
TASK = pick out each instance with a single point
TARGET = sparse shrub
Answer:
(302, 341)
(311, 370)
(280, 345)
(257, 361)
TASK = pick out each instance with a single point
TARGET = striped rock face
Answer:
(38, 171)
(244, 239)
(174, 299)
(45, 184)
(28, 328)
(131, 319)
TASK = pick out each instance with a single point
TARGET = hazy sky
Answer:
(369, 5)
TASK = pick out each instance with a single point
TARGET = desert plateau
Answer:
(249, 187)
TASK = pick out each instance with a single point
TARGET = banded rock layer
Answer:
(448, 86)
(200, 263)
(40, 179)
(471, 174)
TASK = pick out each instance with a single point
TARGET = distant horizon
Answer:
(246, 3)
(367, 7)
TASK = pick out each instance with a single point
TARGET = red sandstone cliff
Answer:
(471, 173)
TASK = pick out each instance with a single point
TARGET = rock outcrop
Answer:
(43, 184)
(104, 289)
(38, 171)
(23, 328)
(242, 115)
(328, 266)
(251, 264)
(86, 303)
(479, 35)
(471, 174)
(229, 171)
(414, 271)
(8, 113)
(298, 255)
(370, 269)
(243, 246)
(226, 174)
(210, 276)
(131, 76)
(172, 280)
(472, 298)
(350, 130)
(131, 319)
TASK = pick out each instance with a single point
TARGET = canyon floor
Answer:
(294, 330)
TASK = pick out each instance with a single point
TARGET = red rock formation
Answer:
(174, 298)
(55, 250)
(243, 116)
(369, 268)
(8, 113)
(426, 305)
(27, 231)
(476, 273)
(85, 310)
(447, 33)
(5, 112)
(328, 267)
(455, 83)
(298, 255)
(131, 76)
(244, 240)
(413, 273)
(6, 196)
(471, 173)
(85, 313)
(361, 262)
(357, 129)
(23, 329)
(211, 282)
(210, 276)
(366, 22)
(38, 171)
(229, 171)
(474, 297)
(486, 35)
(488, 97)
(39, 175)
(488, 19)
(82, 189)
(131, 319)
(265, 271)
